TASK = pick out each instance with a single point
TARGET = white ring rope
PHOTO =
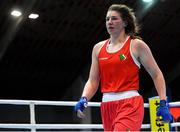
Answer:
(33, 126)
(67, 126)
(59, 126)
(66, 103)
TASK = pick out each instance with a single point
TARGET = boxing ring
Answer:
(33, 126)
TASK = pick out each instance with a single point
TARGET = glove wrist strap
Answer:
(163, 103)
(84, 98)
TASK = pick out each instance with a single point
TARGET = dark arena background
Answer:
(48, 58)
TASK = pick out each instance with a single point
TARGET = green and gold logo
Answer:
(122, 57)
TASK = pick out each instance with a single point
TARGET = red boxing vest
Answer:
(118, 71)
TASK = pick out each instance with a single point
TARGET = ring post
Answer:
(156, 124)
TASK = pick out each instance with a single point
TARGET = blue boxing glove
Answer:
(163, 111)
(80, 106)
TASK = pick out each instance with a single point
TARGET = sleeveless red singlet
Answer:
(118, 71)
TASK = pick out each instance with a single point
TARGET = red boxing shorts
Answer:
(123, 115)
